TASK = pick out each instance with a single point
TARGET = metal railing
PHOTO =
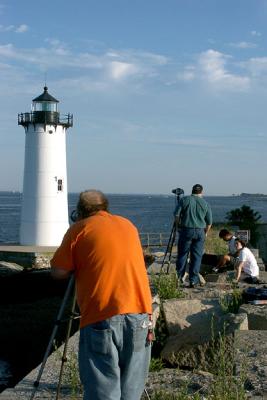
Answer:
(45, 117)
(154, 239)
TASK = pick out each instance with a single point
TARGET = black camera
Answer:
(178, 191)
(74, 216)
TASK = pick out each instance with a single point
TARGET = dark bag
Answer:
(209, 259)
(253, 293)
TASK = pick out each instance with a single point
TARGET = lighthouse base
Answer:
(28, 256)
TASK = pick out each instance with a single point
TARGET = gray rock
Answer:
(155, 309)
(257, 316)
(192, 326)
(9, 268)
(251, 360)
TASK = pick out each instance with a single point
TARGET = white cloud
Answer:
(7, 28)
(257, 66)
(188, 74)
(22, 28)
(111, 66)
(255, 33)
(213, 66)
(184, 142)
(133, 55)
(59, 47)
(7, 50)
(45, 57)
(112, 54)
(244, 45)
(119, 70)
(12, 28)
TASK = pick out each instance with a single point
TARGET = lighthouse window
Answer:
(60, 185)
(44, 106)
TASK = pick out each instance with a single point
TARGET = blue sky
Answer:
(164, 94)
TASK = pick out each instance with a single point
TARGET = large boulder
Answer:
(193, 326)
(257, 316)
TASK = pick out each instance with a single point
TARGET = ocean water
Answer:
(150, 213)
(5, 373)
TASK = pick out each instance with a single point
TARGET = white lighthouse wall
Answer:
(44, 218)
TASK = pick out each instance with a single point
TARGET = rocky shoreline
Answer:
(185, 353)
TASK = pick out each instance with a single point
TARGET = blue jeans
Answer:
(191, 240)
(114, 358)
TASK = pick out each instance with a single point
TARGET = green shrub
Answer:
(167, 286)
(231, 302)
(71, 374)
(156, 364)
(226, 386)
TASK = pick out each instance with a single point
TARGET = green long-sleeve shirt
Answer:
(194, 212)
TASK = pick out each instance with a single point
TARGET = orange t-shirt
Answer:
(105, 253)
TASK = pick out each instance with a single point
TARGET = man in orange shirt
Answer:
(113, 294)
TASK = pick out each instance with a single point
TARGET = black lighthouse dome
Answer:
(45, 102)
(45, 111)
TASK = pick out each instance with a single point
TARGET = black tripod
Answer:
(69, 291)
(168, 253)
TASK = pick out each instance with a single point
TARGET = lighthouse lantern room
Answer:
(44, 215)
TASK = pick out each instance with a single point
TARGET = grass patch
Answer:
(156, 364)
(213, 244)
(226, 386)
(71, 376)
(231, 302)
(167, 286)
(164, 395)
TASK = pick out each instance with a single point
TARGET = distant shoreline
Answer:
(17, 192)
(252, 195)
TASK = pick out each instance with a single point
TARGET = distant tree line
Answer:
(245, 218)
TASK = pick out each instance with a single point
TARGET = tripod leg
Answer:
(171, 247)
(64, 358)
(168, 245)
(52, 337)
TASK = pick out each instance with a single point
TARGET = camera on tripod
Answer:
(178, 191)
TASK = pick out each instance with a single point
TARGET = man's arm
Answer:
(207, 229)
(208, 220)
(60, 273)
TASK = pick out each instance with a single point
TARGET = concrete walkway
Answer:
(27, 249)
(48, 383)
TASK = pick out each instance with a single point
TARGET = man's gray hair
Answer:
(90, 202)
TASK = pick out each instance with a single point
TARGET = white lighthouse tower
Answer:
(44, 216)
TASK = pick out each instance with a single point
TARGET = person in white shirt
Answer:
(227, 260)
(247, 267)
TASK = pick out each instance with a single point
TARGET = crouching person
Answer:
(113, 294)
(247, 268)
(227, 260)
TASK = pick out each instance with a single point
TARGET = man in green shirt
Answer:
(194, 220)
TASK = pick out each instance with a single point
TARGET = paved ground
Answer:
(49, 379)
(28, 249)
